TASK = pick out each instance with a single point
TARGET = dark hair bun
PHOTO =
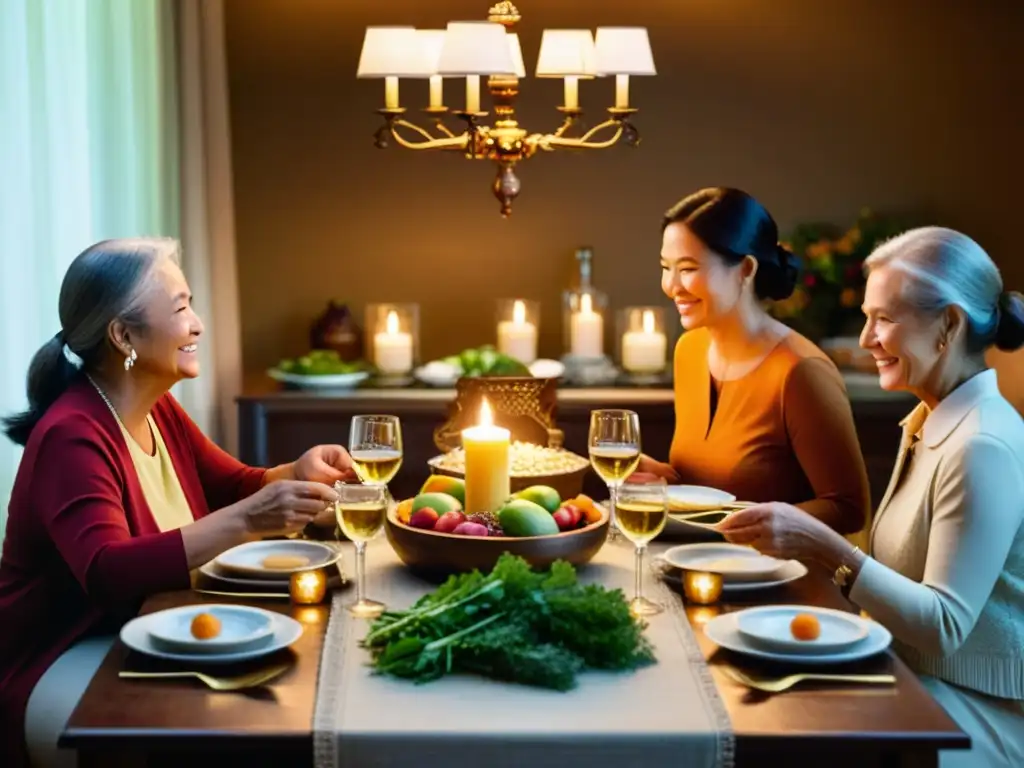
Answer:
(735, 225)
(777, 274)
(1010, 332)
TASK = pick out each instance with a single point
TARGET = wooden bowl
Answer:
(436, 556)
(568, 484)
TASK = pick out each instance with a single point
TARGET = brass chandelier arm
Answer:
(429, 140)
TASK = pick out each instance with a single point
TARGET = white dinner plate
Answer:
(241, 627)
(284, 631)
(735, 562)
(323, 381)
(217, 573)
(790, 571)
(769, 626)
(248, 559)
(696, 498)
(724, 631)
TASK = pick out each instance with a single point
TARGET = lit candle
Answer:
(472, 93)
(572, 92)
(487, 463)
(643, 351)
(391, 92)
(586, 336)
(517, 338)
(393, 348)
(436, 92)
(702, 588)
(308, 587)
(622, 91)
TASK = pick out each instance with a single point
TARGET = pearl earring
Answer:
(129, 359)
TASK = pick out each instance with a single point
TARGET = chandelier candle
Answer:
(487, 463)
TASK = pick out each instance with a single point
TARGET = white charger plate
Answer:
(790, 571)
(735, 562)
(284, 631)
(724, 631)
(324, 381)
(247, 559)
(769, 627)
(241, 627)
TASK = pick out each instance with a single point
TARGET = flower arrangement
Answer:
(826, 302)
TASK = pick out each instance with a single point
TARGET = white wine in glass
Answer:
(641, 512)
(614, 447)
(375, 445)
(361, 510)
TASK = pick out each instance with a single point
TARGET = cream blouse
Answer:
(160, 484)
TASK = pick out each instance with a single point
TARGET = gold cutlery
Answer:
(220, 683)
(779, 684)
(271, 595)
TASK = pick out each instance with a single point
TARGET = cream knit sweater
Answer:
(946, 575)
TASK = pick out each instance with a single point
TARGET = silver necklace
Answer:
(105, 399)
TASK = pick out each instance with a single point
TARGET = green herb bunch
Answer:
(515, 624)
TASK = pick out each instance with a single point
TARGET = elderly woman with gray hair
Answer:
(945, 571)
(118, 494)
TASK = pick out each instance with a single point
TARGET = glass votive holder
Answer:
(702, 588)
(392, 339)
(308, 587)
(518, 324)
(583, 323)
(643, 341)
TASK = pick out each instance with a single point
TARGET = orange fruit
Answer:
(205, 626)
(591, 513)
(805, 626)
(404, 511)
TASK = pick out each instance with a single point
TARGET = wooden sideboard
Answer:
(277, 425)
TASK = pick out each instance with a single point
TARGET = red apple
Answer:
(470, 529)
(564, 519)
(423, 518)
(449, 521)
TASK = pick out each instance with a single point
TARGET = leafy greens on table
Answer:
(514, 624)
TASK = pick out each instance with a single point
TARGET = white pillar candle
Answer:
(622, 91)
(517, 338)
(391, 92)
(572, 92)
(473, 93)
(436, 91)
(644, 351)
(392, 349)
(586, 332)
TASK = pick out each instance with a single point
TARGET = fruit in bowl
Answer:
(434, 535)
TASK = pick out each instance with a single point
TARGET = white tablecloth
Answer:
(666, 714)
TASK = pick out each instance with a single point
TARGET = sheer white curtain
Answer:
(91, 120)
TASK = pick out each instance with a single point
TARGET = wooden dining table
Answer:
(131, 722)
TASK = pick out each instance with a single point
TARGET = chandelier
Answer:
(473, 49)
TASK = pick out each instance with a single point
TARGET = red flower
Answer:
(810, 281)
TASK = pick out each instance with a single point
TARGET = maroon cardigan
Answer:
(82, 549)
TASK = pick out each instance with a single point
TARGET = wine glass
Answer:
(375, 445)
(361, 510)
(614, 444)
(641, 512)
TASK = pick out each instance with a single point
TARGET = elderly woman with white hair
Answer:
(945, 571)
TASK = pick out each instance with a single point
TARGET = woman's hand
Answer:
(284, 506)
(779, 530)
(325, 464)
(650, 471)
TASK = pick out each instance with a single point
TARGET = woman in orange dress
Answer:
(761, 412)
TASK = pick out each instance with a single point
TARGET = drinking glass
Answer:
(375, 445)
(361, 510)
(614, 445)
(641, 513)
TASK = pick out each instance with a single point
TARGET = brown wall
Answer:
(817, 108)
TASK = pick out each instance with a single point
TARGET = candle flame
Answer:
(586, 304)
(518, 312)
(391, 324)
(486, 417)
(648, 321)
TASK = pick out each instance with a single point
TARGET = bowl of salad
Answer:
(320, 369)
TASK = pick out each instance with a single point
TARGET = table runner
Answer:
(666, 714)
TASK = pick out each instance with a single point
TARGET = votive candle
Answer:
(308, 587)
(702, 588)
